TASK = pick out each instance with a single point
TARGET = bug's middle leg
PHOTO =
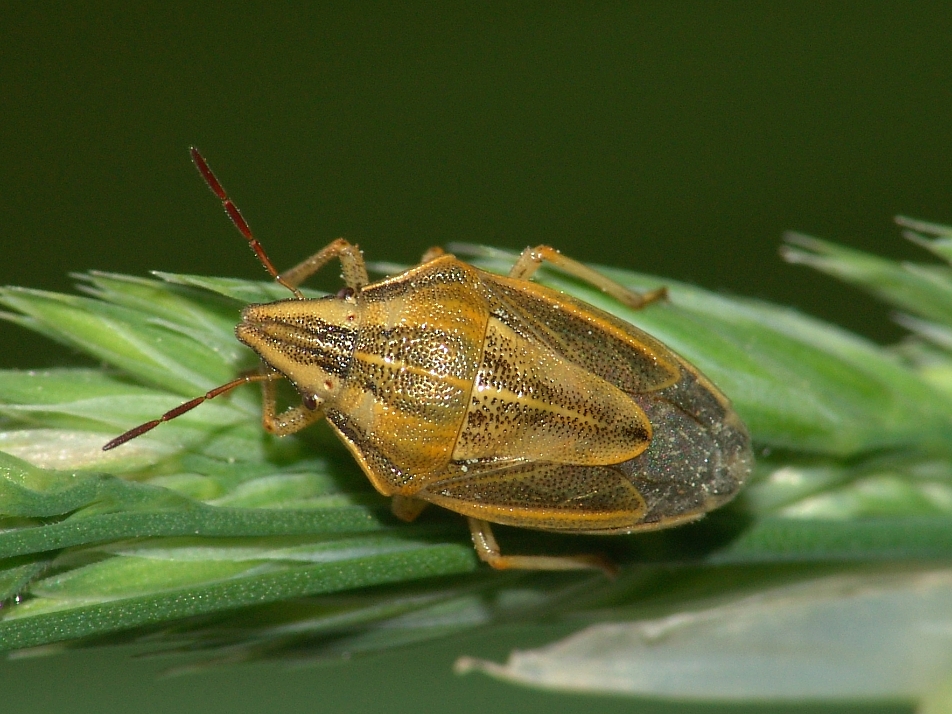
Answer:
(351, 260)
(531, 258)
(488, 551)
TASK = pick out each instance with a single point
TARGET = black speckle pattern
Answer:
(293, 333)
(529, 402)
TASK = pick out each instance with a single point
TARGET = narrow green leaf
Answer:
(17, 573)
(101, 507)
(125, 613)
(63, 448)
(923, 290)
(55, 386)
(183, 309)
(934, 237)
(124, 338)
(778, 540)
(201, 520)
(244, 292)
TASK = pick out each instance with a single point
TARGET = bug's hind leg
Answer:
(488, 551)
(531, 258)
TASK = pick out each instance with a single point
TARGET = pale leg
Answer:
(531, 258)
(488, 551)
(289, 421)
(351, 261)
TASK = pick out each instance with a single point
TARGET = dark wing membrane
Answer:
(591, 338)
(547, 496)
(699, 455)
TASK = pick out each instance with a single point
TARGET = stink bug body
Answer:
(494, 397)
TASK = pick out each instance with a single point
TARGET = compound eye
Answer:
(346, 293)
(310, 401)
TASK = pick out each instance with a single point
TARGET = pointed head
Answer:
(311, 342)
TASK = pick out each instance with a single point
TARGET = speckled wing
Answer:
(548, 496)
(529, 403)
(699, 454)
(600, 343)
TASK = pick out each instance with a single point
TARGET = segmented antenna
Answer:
(231, 210)
(242, 225)
(186, 407)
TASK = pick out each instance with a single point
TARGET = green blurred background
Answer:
(672, 138)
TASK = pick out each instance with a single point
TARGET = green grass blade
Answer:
(923, 290)
(125, 613)
(124, 338)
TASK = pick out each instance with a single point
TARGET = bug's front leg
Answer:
(488, 551)
(531, 258)
(290, 420)
(351, 260)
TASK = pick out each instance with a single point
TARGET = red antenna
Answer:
(187, 407)
(231, 210)
(242, 225)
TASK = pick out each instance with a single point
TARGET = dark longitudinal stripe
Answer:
(313, 341)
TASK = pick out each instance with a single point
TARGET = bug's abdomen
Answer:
(529, 403)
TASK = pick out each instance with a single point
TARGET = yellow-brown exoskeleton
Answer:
(494, 397)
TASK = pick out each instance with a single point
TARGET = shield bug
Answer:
(493, 396)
